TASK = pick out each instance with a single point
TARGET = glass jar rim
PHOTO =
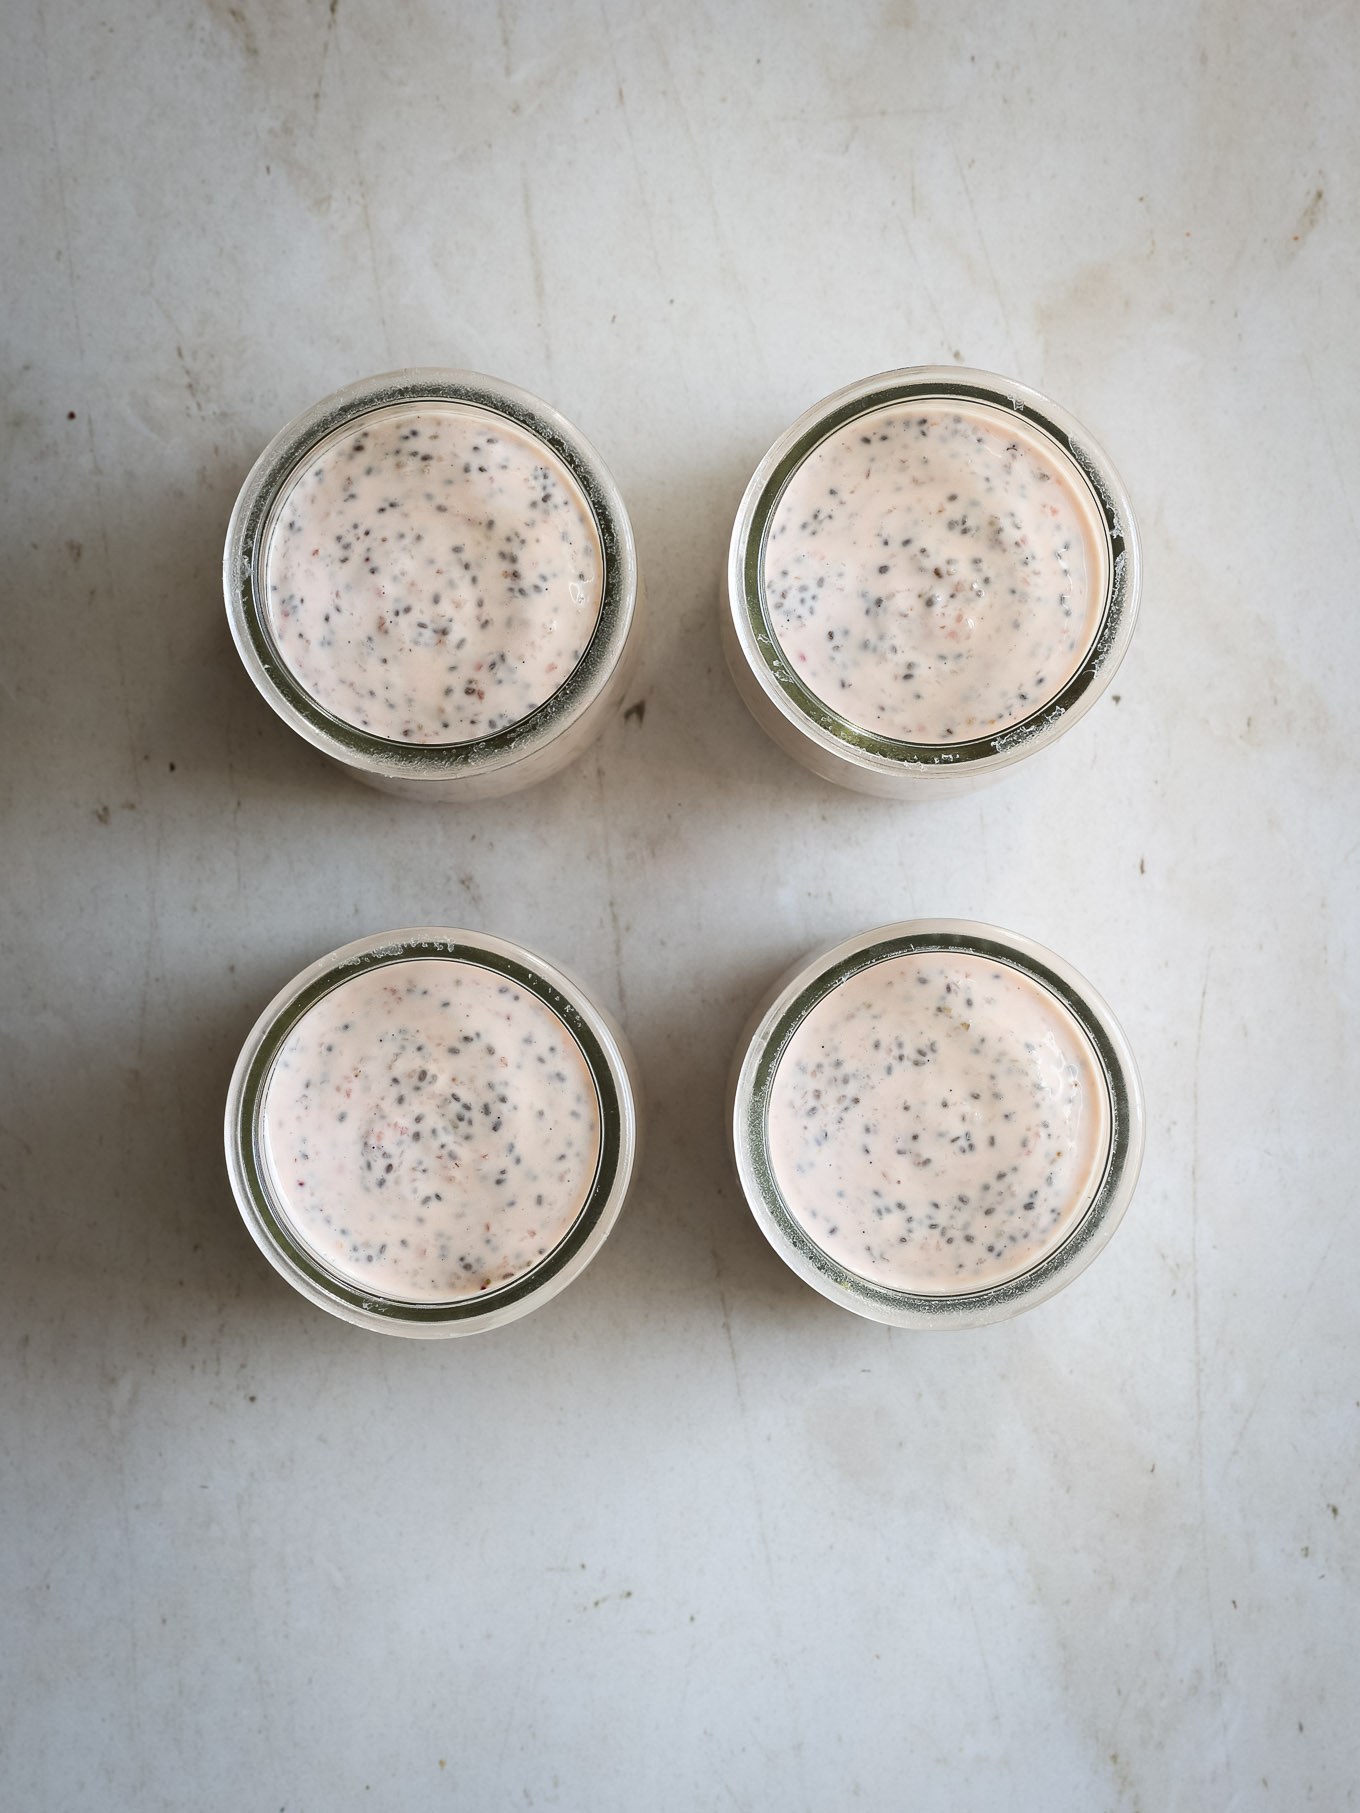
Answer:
(1043, 420)
(787, 1008)
(269, 481)
(265, 1215)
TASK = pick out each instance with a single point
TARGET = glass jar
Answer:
(407, 644)
(431, 1132)
(936, 1124)
(911, 677)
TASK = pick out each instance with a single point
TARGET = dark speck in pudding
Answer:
(435, 577)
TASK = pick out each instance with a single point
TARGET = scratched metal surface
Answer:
(690, 1536)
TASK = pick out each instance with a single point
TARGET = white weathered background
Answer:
(690, 1537)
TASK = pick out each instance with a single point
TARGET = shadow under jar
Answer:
(936, 1124)
(933, 574)
(432, 1132)
(431, 577)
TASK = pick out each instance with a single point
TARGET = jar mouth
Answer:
(267, 488)
(996, 1299)
(248, 1154)
(1042, 421)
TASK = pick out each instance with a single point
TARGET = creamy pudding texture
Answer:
(432, 1129)
(937, 1123)
(433, 574)
(933, 573)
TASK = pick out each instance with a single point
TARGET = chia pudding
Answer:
(432, 1130)
(430, 576)
(433, 573)
(934, 573)
(937, 1123)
